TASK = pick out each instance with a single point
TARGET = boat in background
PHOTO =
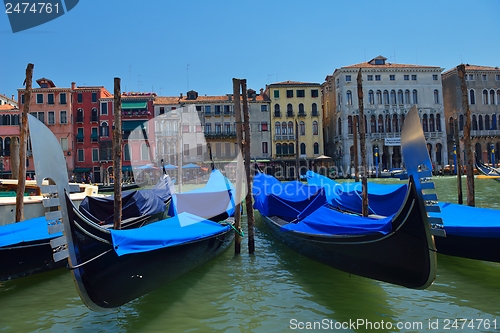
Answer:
(486, 171)
(397, 249)
(112, 267)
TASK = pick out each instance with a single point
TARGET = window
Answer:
(348, 78)
(415, 97)
(485, 77)
(289, 93)
(278, 149)
(64, 144)
(62, 98)
(386, 97)
(208, 128)
(316, 148)
(315, 127)
(393, 97)
(485, 97)
(50, 98)
(94, 136)
(264, 148)
(218, 128)
(217, 109)
(302, 148)
(79, 97)
(400, 97)
(93, 115)
(95, 154)
(94, 97)
(349, 97)
(263, 126)
(314, 108)
(227, 128)
(377, 77)
(104, 129)
(263, 108)
(283, 131)
(379, 97)
(79, 135)
(414, 77)
(145, 152)
(39, 115)
(199, 149)
(392, 77)
(407, 96)
(207, 109)
(314, 93)
(301, 93)
(104, 108)
(39, 98)
(52, 118)
(186, 149)
(301, 109)
(79, 116)
(22, 99)
(276, 94)
(289, 110)
(436, 96)
(277, 128)
(277, 112)
(227, 109)
(369, 77)
(302, 128)
(290, 128)
(469, 77)
(406, 77)
(80, 155)
(126, 150)
(371, 97)
(162, 110)
(472, 97)
(185, 128)
(434, 77)
(63, 119)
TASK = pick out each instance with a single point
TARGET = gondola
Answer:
(487, 171)
(25, 247)
(112, 267)
(397, 249)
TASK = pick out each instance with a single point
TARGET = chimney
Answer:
(73, 85)
(261, 91)
(13, 98)
(181, 95)
(229, 97)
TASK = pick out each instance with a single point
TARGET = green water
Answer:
(273, 290)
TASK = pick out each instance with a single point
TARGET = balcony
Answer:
(220, 135)
(301, 114)
(284, 137)
(315, 114)
(289, 113)
(277, 114)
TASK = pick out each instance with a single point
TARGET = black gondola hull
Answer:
(405, 257)
(478, 248)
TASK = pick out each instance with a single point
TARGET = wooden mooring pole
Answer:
(362, 144)
(21, 179)
(239, 167)
(117, 154)
(458, 156)
(249, 175)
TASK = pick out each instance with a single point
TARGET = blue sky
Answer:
(171, 47)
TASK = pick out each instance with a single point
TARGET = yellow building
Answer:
(295, 109)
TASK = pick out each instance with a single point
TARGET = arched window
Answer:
(127, 153)
(395, 123)
(7, 146)
(451, 126)
(278, 149)
(289, 110)
(498, 96)
(339, 127)
(386, 97)
(291, 149)
(472, 97)
(474, 122)
(415, 97)
(283, 128)
(302, 148)
(315, 127)
(302, 128)
(492, 97)
(400, 97)
(79, 115)
(277, 128)
(93, 114)
(432, 127)
(301, 109)
(425, 123)
(349, 97)
(314, 107)
(1, 147)
(393, 97)
(438, 122)
(487, 122)
(373, 124)
(290, 128)
(436, 96)
(277, 112)
(480, 123)
(407, 96)
(494, 122)
(380, 123)
(349, 125)
(387, 123)
(479, 151)
(379, 97)
(104, 129)
(284, 149)
(316, 148)
(371, 97)
(485, 97)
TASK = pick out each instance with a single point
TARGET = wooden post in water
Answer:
(362, 144)
(246, 146)
(471, 201)
(117, 155)
(21, 179)
(355, 146)
(459, 160)
(297, 151)
(239, 176)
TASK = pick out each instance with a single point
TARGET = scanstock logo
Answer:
(25, 15)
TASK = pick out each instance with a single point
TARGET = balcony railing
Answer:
(220, 135)
(289, 113)
(277, 114)
(301, 114)
(284, 137)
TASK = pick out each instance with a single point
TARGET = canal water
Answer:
(274, 290)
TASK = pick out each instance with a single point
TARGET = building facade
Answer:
(483, 93)
(296, 124)
(389, 90)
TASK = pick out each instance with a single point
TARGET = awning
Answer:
(131, 125)
(134, 105)
(81, 170)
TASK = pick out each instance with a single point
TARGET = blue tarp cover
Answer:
(135, 203)
(326, 221)
(25, 231)
(463, 220)
(383, 200)
(287, 200)
(216, 197)
(176, 230)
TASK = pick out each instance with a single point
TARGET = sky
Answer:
(171, 47)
